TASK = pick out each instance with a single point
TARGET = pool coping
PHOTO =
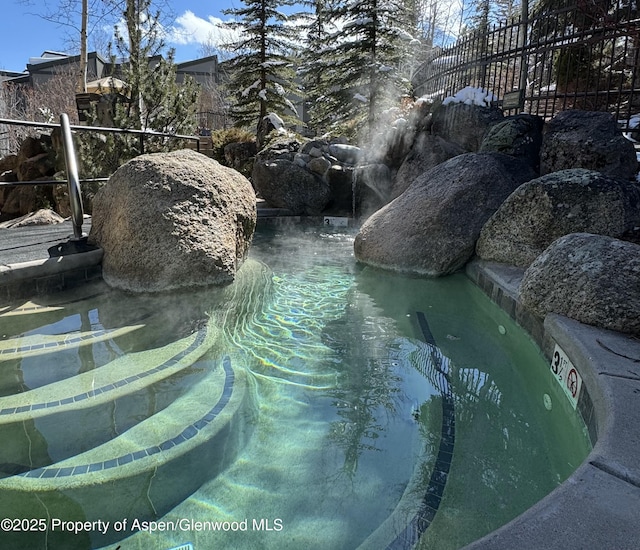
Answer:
(42, 276)
(598, 506)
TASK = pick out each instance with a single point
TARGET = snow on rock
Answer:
(472, 96)
(429, 98)
(360, 97)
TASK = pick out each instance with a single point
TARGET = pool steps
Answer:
(72, 414)
(149, 467)
(152, 466)
(41, 344)
(126, 374)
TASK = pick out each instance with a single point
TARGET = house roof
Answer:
(11, 74)
(51, 59)
(43, 65)
(185, 64)
(14, 77)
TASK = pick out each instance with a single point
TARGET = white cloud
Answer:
(191, 29)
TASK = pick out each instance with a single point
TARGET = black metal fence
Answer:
(583, 55)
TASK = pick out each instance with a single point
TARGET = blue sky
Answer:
(26, 35)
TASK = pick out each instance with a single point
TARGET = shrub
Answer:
(221, 138)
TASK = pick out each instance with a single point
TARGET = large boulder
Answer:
(519, 136)
(464, 125)
(427, 151)
(345, 153)
(32, 147)
(591, 278)
(586, 139)
(20, 200)
(10, 162)
(171, 220)
(285, 184)
(432, 228)
(40, 166)
(544, 209)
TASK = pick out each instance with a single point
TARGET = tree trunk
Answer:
(82, 85)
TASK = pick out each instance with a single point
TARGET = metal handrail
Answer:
(50, 182)
(79, 241)
(102, 129)
(73, 181)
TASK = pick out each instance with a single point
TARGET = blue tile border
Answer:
(188, 433)
(68, 340)
(430, 503)
(201, 335)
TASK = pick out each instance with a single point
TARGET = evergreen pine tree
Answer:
(484, 13)
(360, 63)
(319, 30)
(152, 99)
(157, 102)
(261, 73)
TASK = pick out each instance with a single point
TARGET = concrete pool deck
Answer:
(597, 507)
(27, 270)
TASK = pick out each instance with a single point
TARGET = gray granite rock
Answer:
(172, 220)
(432, 228)
(586, 139)
(519, 136)
(546, 208)
(464, 125)
(590, 278)
(284, 184)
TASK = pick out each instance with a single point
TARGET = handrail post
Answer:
(75, 197)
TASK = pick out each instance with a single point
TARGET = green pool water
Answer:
(377, 402)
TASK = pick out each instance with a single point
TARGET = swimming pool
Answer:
(313, 403)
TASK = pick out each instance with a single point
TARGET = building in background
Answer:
(50, 64)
